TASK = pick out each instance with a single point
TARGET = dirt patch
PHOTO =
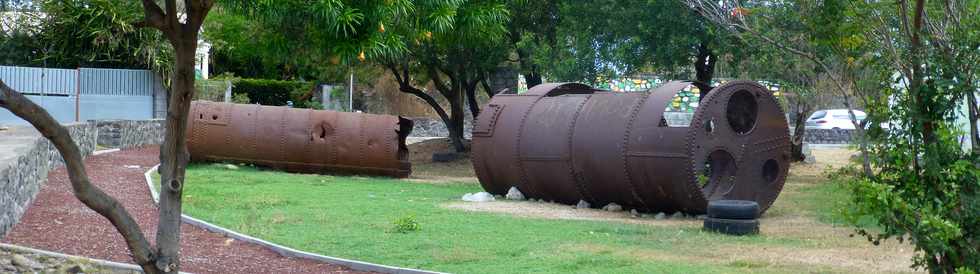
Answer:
(420, 150)
(566, 212)
(847, 260)
(424, 170)
(827, 158)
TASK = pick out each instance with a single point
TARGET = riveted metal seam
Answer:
(579, 185)
(694, 190)
(363, 147)
(282, 135)
(624, 149)
(519, 161)
(782, 115)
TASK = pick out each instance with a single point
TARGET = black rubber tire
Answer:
(732, 227)
(443, 157)
(733, 209)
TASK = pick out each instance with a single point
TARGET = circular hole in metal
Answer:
(742, 111)
(718, 174)
(214, 117)
(709, 126)
(174, 185)
(770, 170)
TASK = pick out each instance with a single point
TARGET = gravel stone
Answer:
(514, 194)
(612, 207)
(660, 216)
(21, 261)
(478, 197)
(582, 204)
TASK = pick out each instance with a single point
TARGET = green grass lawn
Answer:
(354, 217)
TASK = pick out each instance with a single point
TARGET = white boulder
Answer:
(514, 194)
(478, 197)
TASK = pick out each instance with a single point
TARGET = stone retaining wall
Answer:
(23, 173)
(434, 127)
(129, 133)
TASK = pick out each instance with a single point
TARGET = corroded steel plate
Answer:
(299, 140)
(570, 142)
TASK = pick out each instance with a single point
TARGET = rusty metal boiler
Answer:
(299, 140)
(570, 142)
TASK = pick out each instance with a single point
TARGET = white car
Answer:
(833, 119)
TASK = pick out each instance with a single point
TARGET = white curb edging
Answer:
(104, 151)
(282, 250)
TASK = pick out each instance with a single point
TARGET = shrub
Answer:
(406, 224)
(270, 92)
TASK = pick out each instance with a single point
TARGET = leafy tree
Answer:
(253, 49)
(799, 81)
(100, 33)
(532, 25)
(797, 28)
(926, 187)
(917, 182)
(453, 44)
(601, 39)
(19, 48)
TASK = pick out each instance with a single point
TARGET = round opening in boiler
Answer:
(770, 170)
(742, 111)
(718, 174)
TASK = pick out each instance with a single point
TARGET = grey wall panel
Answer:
(116, 107)
(62, 108)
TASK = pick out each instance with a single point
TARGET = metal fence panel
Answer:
(126, 82)
(40, 80)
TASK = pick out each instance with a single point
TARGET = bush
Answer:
(406, 224)
(924, 187)
(271, 92)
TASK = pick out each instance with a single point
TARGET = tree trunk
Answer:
(533, 77)
(974, 134)
(174, 155)
(455, 123)
(704, 69)
(799, 133)
(471, 98)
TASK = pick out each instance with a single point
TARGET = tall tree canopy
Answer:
(607, 38)
(453, 44)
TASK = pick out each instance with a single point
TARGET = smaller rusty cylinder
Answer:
(299, 140)
(570, 142)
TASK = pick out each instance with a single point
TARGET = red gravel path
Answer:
(58, 222)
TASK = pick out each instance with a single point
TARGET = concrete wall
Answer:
(26, 157)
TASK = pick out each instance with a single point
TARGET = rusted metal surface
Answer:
(570, 142)
(299, 140)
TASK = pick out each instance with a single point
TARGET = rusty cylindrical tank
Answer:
(299, 140)
(570, 142)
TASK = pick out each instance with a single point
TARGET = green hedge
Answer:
(271, 92)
